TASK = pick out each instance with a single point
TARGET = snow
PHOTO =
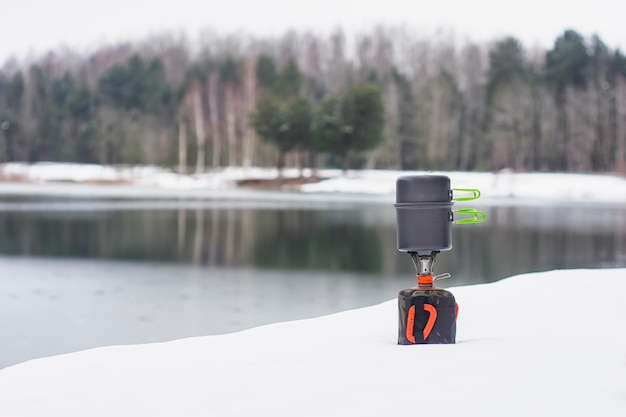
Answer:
(375, 185)
(506, 184)
(549, 344)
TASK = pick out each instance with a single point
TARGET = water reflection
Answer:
(341, 238)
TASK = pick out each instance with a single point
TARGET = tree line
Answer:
(382, 99)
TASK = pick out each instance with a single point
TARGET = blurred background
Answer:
(199, 88)
(454, 86)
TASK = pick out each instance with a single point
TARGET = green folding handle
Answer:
(477, 216)
(474, 191)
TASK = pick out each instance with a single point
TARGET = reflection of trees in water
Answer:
(500, 247)
(307, 239)
(198, 238)
(303, 240)
(332, 240)
(291, 239)
(133, 235)
(215, 237)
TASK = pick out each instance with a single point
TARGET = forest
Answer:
(382, 99)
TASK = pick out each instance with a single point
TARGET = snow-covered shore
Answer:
(372, 185)
(539, 344)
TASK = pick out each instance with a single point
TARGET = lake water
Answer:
(77, 274)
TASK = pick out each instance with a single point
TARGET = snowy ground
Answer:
(546, 344)
(154, 182)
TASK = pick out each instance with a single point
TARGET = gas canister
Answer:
(426, 314)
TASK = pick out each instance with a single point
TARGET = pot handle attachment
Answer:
(474, 196)
(477, 216)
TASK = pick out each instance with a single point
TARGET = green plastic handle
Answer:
(477, 216)
(474, 191)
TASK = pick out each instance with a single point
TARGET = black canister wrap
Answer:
(426, 316)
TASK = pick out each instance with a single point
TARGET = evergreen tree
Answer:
(45, 144)
(407, 123)
(506, 65)
(566, 65)
(350, 123)
(136, 86)
(283, 117)
(285, 123)
(509, 106)
(139, 108)
(289, 82)
(266, 71)
(11, 98)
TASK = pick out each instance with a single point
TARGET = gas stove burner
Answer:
(424, 217)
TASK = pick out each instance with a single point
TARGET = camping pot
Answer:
(424, 214)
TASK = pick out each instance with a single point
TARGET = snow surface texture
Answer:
(150, 181)
(544, 344)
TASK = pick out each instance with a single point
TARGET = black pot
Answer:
(424, 213)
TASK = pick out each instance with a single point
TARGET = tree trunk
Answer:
(536, 128)
(600, 139)
(313, 158)
(249, 87)
(562, 131)
(434, 125)
(568, 114)
(214, 118)
(229, 99)
(281, 163)
(373, 157)
(620, 131)
(199, 125)
(303, 156)
(8, 141)
(182, 146)
(461, 133)
(345, 164)
(389, 148)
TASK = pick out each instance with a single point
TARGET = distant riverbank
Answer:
(76, 180)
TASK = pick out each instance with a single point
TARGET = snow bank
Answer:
(538, 187)
(150, 181)
(549, 344)
(46, 172)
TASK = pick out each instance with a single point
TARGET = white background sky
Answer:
(28, 26)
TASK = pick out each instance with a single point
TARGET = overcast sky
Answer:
(38, 25)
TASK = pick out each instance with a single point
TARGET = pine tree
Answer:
(350, 123)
